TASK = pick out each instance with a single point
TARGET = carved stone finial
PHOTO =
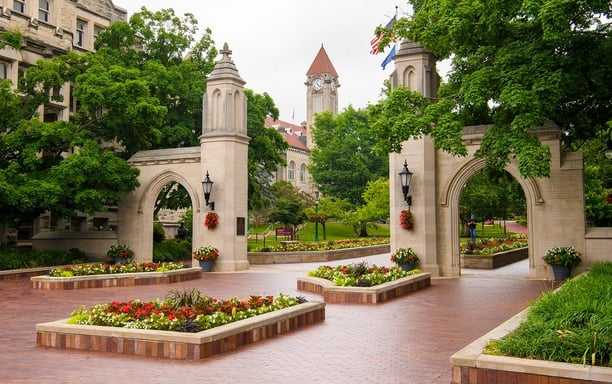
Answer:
(226, 52)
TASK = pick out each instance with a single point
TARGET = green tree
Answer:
(37, 176)
(266, 148)
(344, 160)
(515, 64)
(325, 209)
(289, 205)
(598, 179)
(375, 207)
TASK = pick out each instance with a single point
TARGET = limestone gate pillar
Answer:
(415, 69)
(224, 148)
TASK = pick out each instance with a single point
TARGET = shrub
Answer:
(300, 246)
(563, 256)
(172, 250)
(207, 253)
(405, 256)
(572, 325)
(159, 234)
(17, 259)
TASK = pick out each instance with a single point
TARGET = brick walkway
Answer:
(408, 340)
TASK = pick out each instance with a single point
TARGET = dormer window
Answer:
(44, 9)
(19, 6)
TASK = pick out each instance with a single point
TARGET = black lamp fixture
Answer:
(207, 185)
(406, 178)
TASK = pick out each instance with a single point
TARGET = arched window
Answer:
(409, 78)
(303, 173)
(291, 170)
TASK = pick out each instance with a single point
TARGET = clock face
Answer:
(317, 84)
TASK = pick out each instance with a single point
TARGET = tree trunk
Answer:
(363, 230)
(324, 232)
(3, 233)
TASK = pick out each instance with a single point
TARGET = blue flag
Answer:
(389, 58)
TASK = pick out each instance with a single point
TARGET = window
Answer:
(97, 30)
(291, 173)
(19, 6)
(44, 7)
(80, 33)
(303, 173)
(3, 71)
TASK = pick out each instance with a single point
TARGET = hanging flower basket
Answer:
(406, 220)
(211, 221)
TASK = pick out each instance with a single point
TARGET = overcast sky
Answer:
(275, 41)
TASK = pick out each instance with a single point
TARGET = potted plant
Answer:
(211, 221)
(406, 258)
(562, 260)
(120, 254)
(406, 220)
(206, 257)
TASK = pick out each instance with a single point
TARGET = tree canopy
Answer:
(344, 160)
(515, 64)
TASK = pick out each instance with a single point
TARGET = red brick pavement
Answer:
(408, 340)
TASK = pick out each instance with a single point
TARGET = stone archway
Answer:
(555, 204)
(223, 153)
(451, 194)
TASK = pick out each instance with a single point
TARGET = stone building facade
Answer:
(321, 96)
(50, 28)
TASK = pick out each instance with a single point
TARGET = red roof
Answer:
(293, 136)
(322, 64)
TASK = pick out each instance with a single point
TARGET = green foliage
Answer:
(571, 325)
(106, 269)
(301, 246)
(172, 196)
(17, 259)
(491, 194)
(405, 256)
(13, 39)
(172, 250)
(344, 160)
(159, 234)
(515, 64)
(598, 179)
(266, 148)
(187, 224)
(289, 204)
(375, 208)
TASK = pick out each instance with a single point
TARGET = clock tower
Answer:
(322, 91)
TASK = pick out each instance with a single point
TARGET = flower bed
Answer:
(184, 325)
(564, 335)
(301, 246)
(360, 275)
(488, 247)
(362, 284)
(119, 275)
(109, 269)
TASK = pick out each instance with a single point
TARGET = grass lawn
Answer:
(572, 325)
(335, 231)
(488, 232)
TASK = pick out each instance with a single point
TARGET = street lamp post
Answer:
(207, 185)
(406, 179)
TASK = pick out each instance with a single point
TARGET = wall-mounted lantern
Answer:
(207, 185)
(406, 179)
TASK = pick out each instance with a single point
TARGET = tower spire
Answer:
(322, 64)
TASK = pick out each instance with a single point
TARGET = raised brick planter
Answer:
(333, 294)
(471, 366)
(496, 260)
(115, 280)
(179, 345)
(261, 258)
(14, 274)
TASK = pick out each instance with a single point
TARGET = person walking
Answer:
(472, 230)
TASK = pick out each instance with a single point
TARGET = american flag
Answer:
(375, 42)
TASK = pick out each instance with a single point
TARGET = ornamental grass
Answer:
(572, 325)
(360, 275)
(180, 311)
(109, 269)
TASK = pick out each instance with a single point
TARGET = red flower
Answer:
(211, 221)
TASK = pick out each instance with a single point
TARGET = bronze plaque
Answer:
(240, 226)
